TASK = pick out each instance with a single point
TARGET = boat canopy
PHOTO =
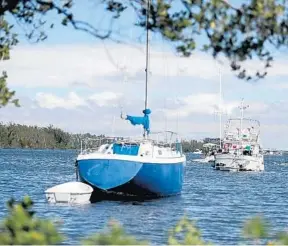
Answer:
(141, 120)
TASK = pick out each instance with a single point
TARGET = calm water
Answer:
(219, 201)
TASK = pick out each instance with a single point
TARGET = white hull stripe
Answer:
(144, 159)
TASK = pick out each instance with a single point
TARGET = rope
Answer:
(76, 170)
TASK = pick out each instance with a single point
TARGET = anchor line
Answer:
(76, 170)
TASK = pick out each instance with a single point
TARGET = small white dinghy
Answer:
(70, 192)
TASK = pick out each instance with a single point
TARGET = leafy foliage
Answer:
(282, 238)
(250, 31)
(22, 227)
(28, 15)
(116, 235)
(253, 30)
(6, 96)
(187, 232)
(255, 228)
(7, 40)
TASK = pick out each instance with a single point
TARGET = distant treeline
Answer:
(190, 146)
(22, 136)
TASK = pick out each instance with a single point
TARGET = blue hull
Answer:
(131, 177)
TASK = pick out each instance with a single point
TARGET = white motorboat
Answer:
(209, 149)
(241, 146)
(197, 152)
(239, 162)
(70, 192)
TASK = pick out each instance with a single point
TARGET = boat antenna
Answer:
(220, 108)
(242, 107)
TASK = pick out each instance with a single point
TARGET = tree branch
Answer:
(78, 25)
(7, 5)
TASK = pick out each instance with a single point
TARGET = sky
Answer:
(81, 84)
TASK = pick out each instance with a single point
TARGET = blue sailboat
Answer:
(142, 167)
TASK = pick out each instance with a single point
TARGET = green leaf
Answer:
(255, 228)
(22, 227)
(115, 235)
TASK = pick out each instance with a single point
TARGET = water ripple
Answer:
(218, 201)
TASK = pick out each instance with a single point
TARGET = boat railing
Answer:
(232, 135)
(247, 121)
(89, 145)
(166, 139)
(89, 150)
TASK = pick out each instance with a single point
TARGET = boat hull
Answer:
(132, 177)
(230, 162)
(70, 192)
(207, 159)
(68, 198)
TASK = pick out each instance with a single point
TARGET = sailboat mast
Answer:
(242, 115)
(220, 108)
(147, 51)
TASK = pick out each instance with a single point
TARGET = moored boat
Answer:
(241, 146)
(197, 152)
(70, 192)
(139, 167)
(142, 167)
(209, 150)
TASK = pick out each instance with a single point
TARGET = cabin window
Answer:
(125, 149)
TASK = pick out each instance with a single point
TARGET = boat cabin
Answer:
(133, 147)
